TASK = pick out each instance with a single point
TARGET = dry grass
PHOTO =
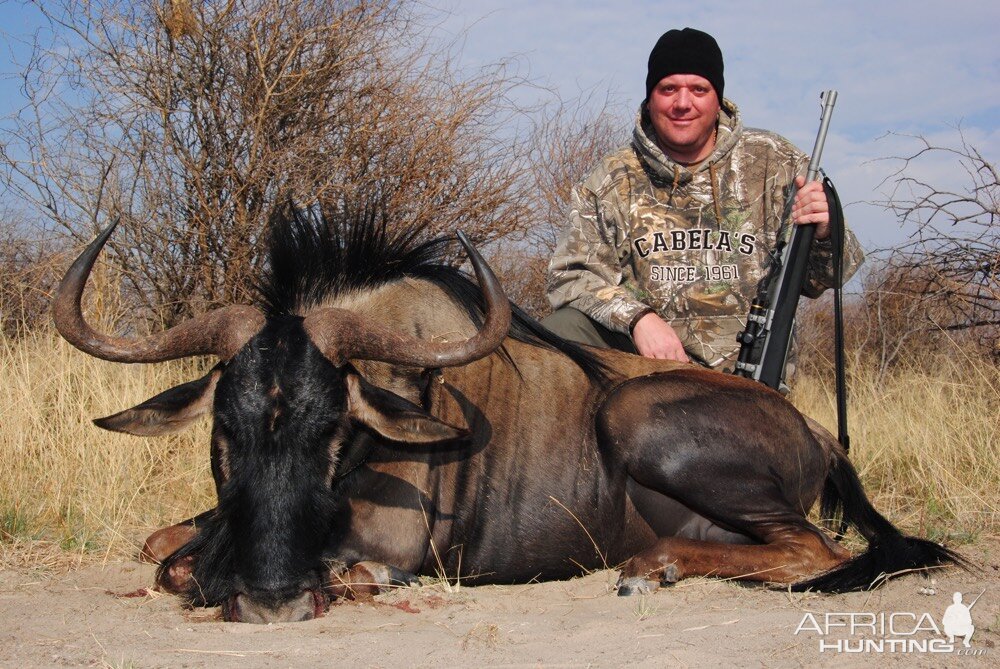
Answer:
(924, 440)
(66, 482)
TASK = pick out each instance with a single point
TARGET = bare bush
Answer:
(30, 264)
(522, 269)
(952, 261)
(567, 141)
(190, 121)
(939, 292)
(891, 322)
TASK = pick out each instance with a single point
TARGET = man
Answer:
(667, 238)
(957, 620)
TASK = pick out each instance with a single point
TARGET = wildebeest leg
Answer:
(366, 579)
(788, 554)
(163, 543)
(735, 453)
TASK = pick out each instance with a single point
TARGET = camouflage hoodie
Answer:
(646, 232)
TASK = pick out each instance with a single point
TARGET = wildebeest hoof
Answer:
(636, 585)
(177, 578)
(366, 579)
(403, 578)
(670, 575)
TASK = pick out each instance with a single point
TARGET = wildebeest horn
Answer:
(342, 335)
(221, 332)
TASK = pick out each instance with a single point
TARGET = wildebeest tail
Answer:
(889, 551)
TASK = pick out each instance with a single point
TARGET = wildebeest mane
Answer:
(315, 256)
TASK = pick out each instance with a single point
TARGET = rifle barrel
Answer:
(829, 99)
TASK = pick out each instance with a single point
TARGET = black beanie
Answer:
(687, 51)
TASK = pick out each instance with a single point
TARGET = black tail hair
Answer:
(889, 553)
(831, 507)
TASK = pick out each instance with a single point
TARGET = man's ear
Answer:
(393, 417)
(169, 412)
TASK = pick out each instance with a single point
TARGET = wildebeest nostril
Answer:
(304, 606)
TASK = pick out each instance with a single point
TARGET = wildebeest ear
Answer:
(166, 413)
(395, 418)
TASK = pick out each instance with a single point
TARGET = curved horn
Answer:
(221, 332)
(342, 335)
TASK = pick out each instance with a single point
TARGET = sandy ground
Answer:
(103, 615)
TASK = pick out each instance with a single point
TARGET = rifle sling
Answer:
(837, 237)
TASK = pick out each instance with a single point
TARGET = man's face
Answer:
(684, 109)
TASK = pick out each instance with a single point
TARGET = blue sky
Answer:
(913, 66)
(909, 67)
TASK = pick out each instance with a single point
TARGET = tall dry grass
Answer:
(925, 440)
(67, 482)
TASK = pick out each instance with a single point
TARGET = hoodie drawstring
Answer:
(673, 188)
(715, 193)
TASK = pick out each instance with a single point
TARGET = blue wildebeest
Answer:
(376, 416)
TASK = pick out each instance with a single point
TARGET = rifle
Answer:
(976, 599)
(764, 343)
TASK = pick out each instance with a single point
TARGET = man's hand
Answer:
(654, 338)
(810, 206)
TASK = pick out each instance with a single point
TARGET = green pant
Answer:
(576, 326)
